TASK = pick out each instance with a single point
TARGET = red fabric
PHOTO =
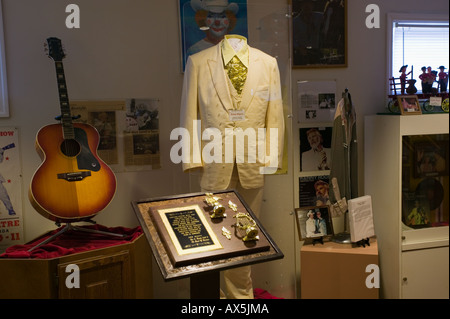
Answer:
(259, 293)
(72, 242)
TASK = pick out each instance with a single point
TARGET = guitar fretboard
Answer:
(66, 116)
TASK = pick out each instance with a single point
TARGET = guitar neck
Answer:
(66, 116)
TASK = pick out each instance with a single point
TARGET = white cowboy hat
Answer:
(215, 6)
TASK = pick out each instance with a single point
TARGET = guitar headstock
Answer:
(55, 49)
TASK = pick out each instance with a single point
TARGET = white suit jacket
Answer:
(206, 97)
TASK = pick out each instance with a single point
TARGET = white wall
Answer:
(130, 49)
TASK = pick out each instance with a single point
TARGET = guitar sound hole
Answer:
(70, 148)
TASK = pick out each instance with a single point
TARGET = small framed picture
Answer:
(409, 104)
(431, 159)
(319, 33)
(314, 222)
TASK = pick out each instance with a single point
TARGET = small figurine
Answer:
(403, 78)
(423, 78)
(218, 210)
(411, 89)
(431, 77)
(443, 79)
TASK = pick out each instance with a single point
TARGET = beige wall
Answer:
(130, 49)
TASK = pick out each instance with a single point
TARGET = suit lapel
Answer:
(252, 80)
(219, 79)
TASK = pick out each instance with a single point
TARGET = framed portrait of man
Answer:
(204, 23)
(315, 149)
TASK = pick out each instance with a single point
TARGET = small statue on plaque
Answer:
(246, 224)
(226, 233)
(218, 209)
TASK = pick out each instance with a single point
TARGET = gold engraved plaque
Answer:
(189, 230)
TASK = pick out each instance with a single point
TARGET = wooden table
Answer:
(338, 271)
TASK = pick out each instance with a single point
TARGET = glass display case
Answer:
(425, 181)
(406, 173)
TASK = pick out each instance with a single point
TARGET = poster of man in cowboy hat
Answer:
(204, 23)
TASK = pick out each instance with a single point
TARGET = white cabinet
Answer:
(413, 260)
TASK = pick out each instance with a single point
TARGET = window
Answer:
(417, 41)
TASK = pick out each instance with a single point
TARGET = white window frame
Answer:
(404, 17)
(4, 106)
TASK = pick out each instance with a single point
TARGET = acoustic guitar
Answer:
(72, 183)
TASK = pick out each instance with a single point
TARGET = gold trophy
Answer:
(218, 209)
(246, 224)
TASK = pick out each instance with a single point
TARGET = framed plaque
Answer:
(189, 235)
(189, 230)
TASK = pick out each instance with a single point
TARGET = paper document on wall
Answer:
(360, 218)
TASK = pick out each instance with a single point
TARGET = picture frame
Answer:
(313, 139)
(415, 211)
(4, 101)
(431, 159)
(316, 101)
(320, 39)
(409, 104)
(194, 16)
(424, 204)
(314, 222)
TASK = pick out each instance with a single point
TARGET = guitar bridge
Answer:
(74, 177)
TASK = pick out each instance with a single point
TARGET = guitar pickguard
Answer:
(85, 159)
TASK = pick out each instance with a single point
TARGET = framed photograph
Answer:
(203, 24)
(4, 102)
(316, 101)
(416, 211)
(424, 205)
(431, 159)
(314, 190)
(315, 148)
(409, 104)
(319, 33)
(314, 222)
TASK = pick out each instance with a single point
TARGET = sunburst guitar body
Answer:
(72, 183)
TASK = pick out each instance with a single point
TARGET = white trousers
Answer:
(237, 282)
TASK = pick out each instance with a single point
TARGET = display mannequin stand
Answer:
(205, 285)
(344, 237)
(69, 226)
(202, 268)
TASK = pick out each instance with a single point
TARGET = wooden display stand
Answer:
(202, 266)
(121, 271)
(337, 271)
